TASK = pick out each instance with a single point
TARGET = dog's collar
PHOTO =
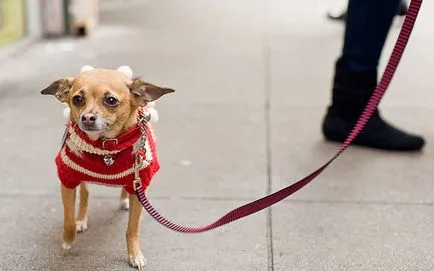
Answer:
(102, 146)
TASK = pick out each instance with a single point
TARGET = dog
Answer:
(101, 143)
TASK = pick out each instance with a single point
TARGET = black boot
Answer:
(351, 92)
(403, 9)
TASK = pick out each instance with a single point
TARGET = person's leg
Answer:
(367, 26)
(402, 11)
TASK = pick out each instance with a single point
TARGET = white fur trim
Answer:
(150, 108)
(66, 112)
(126, 70)
(151, 129)
(154, 114)
(86, 68)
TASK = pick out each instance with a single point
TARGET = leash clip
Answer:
(142, 119)
(137, 166)
(137, 184)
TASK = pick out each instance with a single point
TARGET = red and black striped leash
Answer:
(271, 199)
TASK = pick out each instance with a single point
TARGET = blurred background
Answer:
(253, 79)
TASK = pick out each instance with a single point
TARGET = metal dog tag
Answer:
(108, 160)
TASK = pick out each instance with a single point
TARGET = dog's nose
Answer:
(88, 119)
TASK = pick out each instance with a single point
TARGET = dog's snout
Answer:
(88, 119)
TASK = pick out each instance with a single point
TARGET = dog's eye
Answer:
(77, 100)
(111, 101)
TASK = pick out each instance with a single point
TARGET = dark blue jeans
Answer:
(367, 27)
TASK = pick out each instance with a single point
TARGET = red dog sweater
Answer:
(109, 162)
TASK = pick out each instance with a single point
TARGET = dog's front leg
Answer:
(69, 227)
(135, 254)
(82, 210)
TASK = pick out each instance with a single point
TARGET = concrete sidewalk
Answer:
(370, 210)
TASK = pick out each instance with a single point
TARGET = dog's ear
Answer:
(144, 92)
(59, 88)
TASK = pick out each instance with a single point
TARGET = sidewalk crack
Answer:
(267, 105)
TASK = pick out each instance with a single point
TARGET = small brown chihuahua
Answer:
(100, 144)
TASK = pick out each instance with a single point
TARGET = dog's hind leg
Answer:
(69, 229)
(82, 211)
(125, 202)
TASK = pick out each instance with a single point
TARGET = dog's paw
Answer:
(138, 261)
(81, 225)
(125, 204)
(66, 247)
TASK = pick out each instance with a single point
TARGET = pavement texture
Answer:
(253, 80)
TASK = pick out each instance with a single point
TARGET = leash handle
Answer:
(271, 199)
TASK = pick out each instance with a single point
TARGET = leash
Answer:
(271, 199)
